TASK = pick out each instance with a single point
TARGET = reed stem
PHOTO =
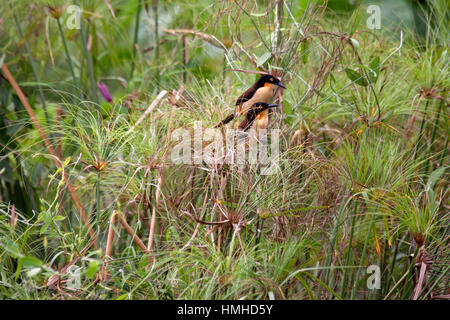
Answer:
(66, 50)
(135, 39)
(33, 68)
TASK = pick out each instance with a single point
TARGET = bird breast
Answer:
(263, 94)
(262, 121)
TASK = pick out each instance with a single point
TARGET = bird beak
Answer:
(272, 106)
(281, 85)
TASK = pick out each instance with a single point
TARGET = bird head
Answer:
(268, 79)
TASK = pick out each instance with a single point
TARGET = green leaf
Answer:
(261, 60)
(287, 109)
(442, 52)
(29, 261)
(434, 177)
(122, 297)
(92, 269)
(355, 19)
(304, 51)
(356, 77)
(332, 78)
(13, 249)
(44, 227)
(374, 69)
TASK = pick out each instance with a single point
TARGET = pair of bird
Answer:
(254, 104)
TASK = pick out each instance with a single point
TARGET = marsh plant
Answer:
(344, 196)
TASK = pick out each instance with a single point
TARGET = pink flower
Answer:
(104, 91)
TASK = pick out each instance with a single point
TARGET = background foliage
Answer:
(362, 178)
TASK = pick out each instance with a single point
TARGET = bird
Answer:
(261, 91)
(256, 112)
(214, 152)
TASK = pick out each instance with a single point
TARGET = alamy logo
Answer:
(74, 19)
(215, 147)
(74, 278)
(374, 21)
(374, 280)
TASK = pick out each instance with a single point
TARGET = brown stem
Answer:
(109, 246)
(153, 222)
(130, 231)
(110, 238)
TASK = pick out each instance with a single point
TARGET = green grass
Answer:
(362, 177)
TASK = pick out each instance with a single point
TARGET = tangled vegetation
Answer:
(93, 207)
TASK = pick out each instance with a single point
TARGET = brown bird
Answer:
(261, 91)
(255, 113)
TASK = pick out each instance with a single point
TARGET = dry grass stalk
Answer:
(207, 37)
(130, 231)
(153, 221)
(109, 246)
(110, 238)
(149, 110)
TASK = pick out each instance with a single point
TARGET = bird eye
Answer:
(271, 79)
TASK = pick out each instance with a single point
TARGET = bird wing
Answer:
(248, 121)
(247, 95)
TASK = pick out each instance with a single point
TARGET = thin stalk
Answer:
(90, 70)
(110, 238)
(349, 251)
(363, 256)
(260, 231)
(136, 32)
(433, 136)
(437, 282)
(30, 58)
(383, 268)
(109, 246)
(185, 54)
(155, 12)
(59, 115)
(396, 285)
(69, 60)
(391, 268)
(409, 272)
(444, 150)
(131, 232)
(255, 25)
(153, 221)
(421, 129)
(98, 201)
(80, 76)
(441, 162)
(331, 252)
